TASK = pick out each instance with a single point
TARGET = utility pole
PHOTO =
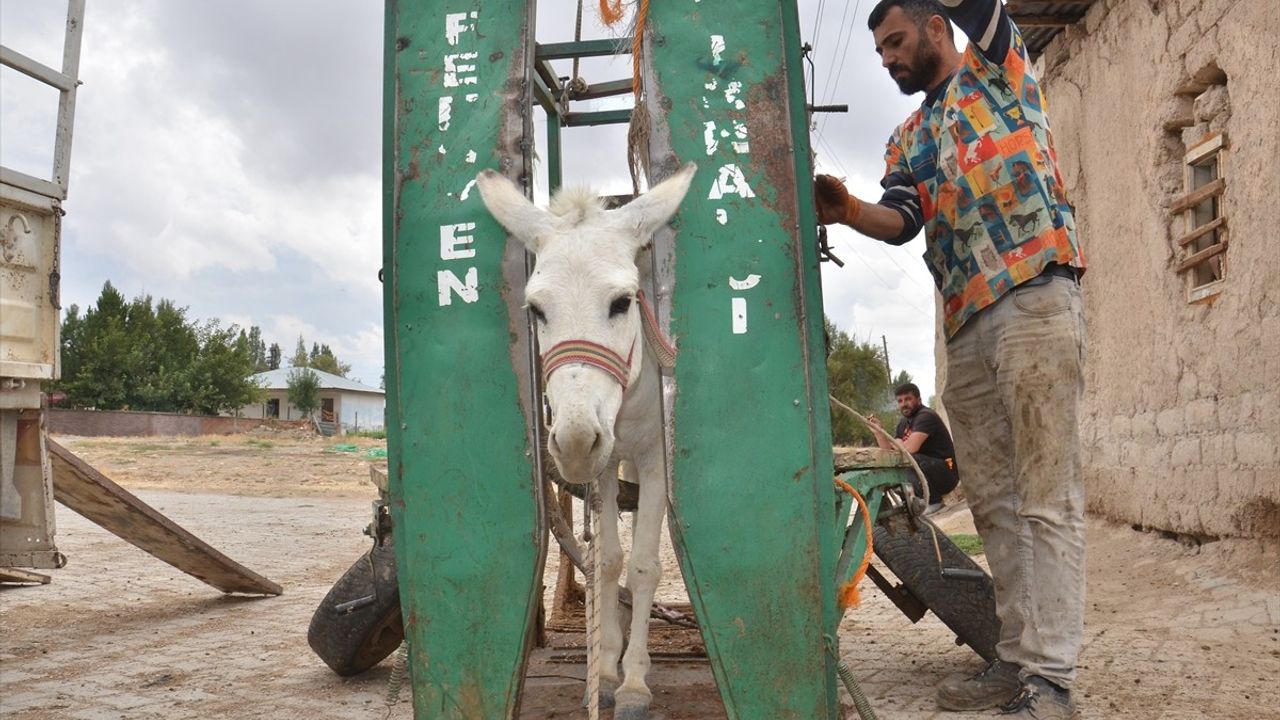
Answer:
(889, 372)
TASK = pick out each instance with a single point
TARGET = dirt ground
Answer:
(1173, 630)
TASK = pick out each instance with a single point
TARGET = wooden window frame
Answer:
(1210, 149)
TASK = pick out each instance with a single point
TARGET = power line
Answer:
(840, 68)
(844, 30)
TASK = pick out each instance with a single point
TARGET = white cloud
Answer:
(227, 157)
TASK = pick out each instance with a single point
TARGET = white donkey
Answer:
(603, 385)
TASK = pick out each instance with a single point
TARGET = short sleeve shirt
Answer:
(938, 444)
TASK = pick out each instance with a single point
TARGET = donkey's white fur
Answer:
(586, 262)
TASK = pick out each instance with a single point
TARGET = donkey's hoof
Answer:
(632, 705)
(607, 688)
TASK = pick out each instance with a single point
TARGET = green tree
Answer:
(857, 377)
(303, 390)
(145, 355)
(220, 377)
(273, 357)
(323, 358)
(96, 353)
(299, 358)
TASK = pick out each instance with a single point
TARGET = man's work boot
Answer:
(1040, 699)
(995, 685)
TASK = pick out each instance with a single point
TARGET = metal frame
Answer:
(65, 81)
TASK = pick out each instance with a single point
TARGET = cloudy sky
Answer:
(227, 157)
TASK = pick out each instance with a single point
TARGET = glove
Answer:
(835, 204)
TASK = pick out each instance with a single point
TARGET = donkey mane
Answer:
(575, 205)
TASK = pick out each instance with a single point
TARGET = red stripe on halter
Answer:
(587, 353)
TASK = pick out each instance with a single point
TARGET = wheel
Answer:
(966, 606)
(356, 637)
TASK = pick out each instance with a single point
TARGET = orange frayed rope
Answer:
(848, 592)
(611, 12)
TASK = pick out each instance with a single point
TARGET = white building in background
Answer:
(352, 405)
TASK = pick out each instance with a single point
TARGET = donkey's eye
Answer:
(537, 313)
(620, 306)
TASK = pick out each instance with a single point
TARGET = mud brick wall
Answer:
(1181, 423)
(119, 423)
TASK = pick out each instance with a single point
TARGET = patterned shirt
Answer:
(975, 165)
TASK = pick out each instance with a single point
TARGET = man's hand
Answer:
(882, 437)
(835, 204)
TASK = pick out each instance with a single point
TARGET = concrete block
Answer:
(1218, 450)
(1212, 103)
(1132, 453)
(1185, 453)
(1202, 415)
(1170, 422)
(1121, 426)
(1256, 449)
(1194, 134)
(1144, 425)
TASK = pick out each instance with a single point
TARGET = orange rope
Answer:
(637, 45)
(848, 593)
(610, 13)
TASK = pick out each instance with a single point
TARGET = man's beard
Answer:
(923, 68)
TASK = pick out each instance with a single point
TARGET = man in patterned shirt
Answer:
(974, 167)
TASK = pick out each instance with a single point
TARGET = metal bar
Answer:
(67, 103)
(545, 96)
(554, 162)
(1197, 196)
(602, 117)
(32, 184)
(583, 48)
(605, 89)
(458, 100)
(35, 69)
(548, 75)
(1205, 254)
(1201, 231)
(81, 487)
(731, 483)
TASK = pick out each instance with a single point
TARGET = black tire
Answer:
(966, 606)
(354, 641)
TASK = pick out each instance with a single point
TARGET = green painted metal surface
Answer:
(465, 500)
(751, 465)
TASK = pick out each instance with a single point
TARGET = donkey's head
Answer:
(582, 295)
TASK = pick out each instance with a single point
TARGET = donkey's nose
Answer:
(576, 442)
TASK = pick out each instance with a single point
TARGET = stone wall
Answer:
(1181, 424)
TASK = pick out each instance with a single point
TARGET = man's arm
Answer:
(882, 437)
(914, 441)
(986, 23)
(895, 219)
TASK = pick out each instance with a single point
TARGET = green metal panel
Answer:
(465, 501)
(751, 463)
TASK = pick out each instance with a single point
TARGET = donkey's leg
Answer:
(610, 571)
(643, 575)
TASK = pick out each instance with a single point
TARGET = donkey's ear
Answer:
(510, 207)
(652, 210)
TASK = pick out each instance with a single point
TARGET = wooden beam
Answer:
(1201, 231)
(1203, 255)
(1044, 21)
(1195, 197)
(81, 487)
